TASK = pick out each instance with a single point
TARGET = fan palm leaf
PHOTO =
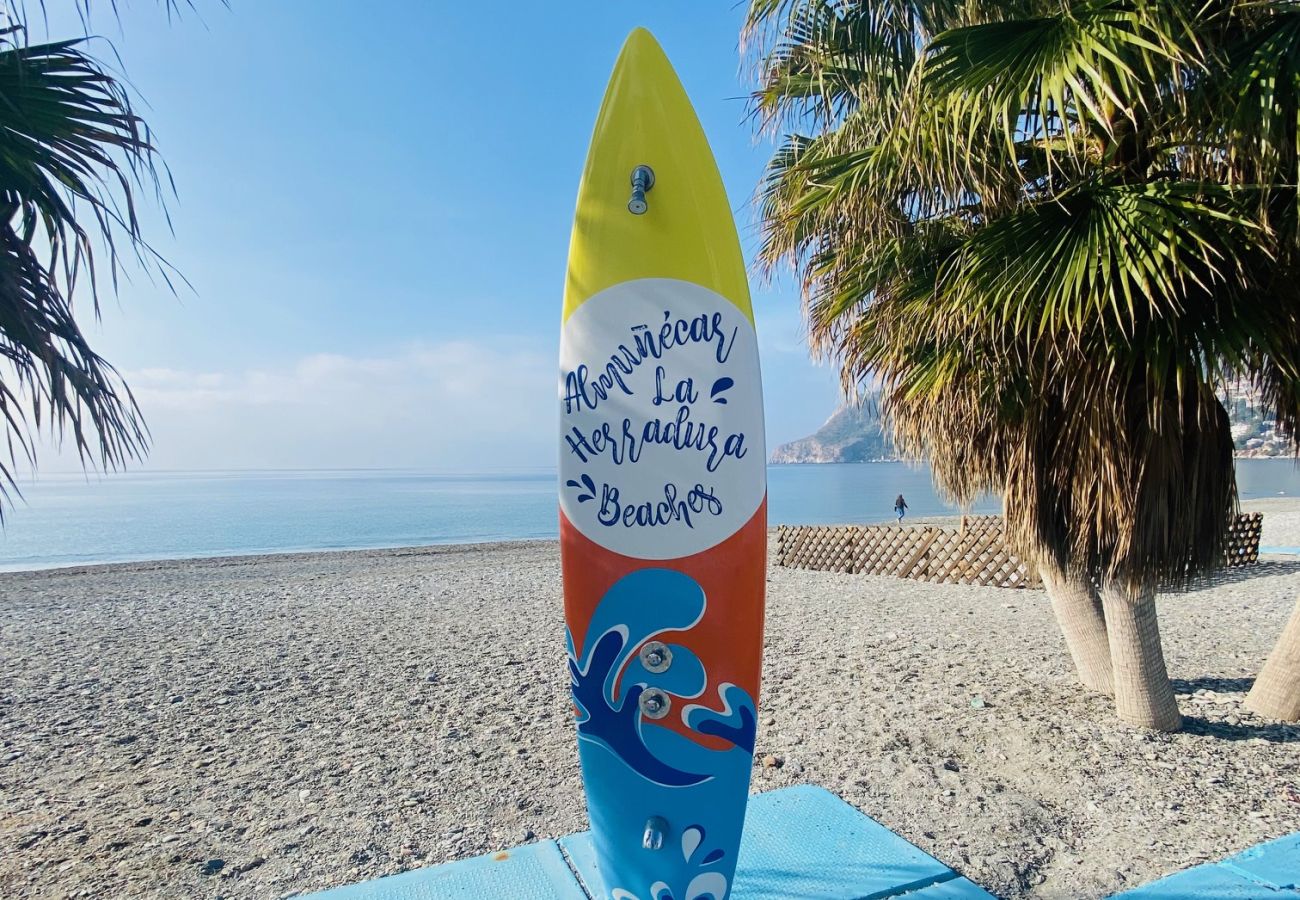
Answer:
(74, 157)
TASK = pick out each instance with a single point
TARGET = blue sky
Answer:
(374, 203)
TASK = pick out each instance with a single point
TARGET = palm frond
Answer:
(1091, 68)
(1253, 109)
(1115, 255)
(73, 158)
(832, 58)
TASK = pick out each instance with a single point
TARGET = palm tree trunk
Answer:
(1079, 613)
(1276, 694)
(1143, 694)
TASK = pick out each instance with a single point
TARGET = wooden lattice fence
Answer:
(975, 553)
(1243, 540)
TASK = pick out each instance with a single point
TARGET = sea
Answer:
(77, 519)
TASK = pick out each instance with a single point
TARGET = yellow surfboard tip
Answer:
(640, 40)
(643, 59)
(688, 232)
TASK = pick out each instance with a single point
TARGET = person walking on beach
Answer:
(900, 506)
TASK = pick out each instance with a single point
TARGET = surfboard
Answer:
(663, 495)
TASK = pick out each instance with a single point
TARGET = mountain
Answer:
(850, 435)
(1254, 431)
(855, 435)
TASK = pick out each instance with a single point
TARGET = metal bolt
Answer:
(655, 703)
(656, 657)
(643, 179)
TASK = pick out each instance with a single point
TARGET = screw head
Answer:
(656, 657)
(655, 704)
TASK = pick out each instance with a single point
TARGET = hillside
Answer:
(1254, 432)
(850, 435)
(854, 435)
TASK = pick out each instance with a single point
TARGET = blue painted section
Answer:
(531, 872)
(1208, 882)
(1269, 871)
(635, 768)
(804, 842)
(1276, 862)
(956, 889)
(1284, 551)
(581, 854)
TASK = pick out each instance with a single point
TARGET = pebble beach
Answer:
(265, 727)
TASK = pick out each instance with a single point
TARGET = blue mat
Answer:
(800, 843)
(531, 872)
(804, 843)
(1268, 871)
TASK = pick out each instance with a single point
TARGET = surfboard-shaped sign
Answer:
(663, 495)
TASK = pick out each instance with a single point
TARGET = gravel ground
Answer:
(261, 727)
(1281, 521)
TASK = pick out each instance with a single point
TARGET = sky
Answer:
(373, 205)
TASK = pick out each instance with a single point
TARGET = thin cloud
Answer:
(451, 404)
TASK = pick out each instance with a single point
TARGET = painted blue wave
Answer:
(617, 725)
(641, 605)
(737, 722)
(635, 769)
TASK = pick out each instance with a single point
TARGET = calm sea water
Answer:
(72, 519)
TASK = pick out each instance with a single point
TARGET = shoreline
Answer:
(1277, 506)
(223, 558)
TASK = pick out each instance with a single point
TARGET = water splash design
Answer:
(617, 725)
(635, 768)
(736, 723)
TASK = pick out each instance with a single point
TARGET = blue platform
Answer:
(800, 843)
(531, 872)
(1268, 871)
(804, 843)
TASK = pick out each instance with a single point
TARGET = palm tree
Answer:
(1054, 233)
(73, 157)
(1276, 692)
